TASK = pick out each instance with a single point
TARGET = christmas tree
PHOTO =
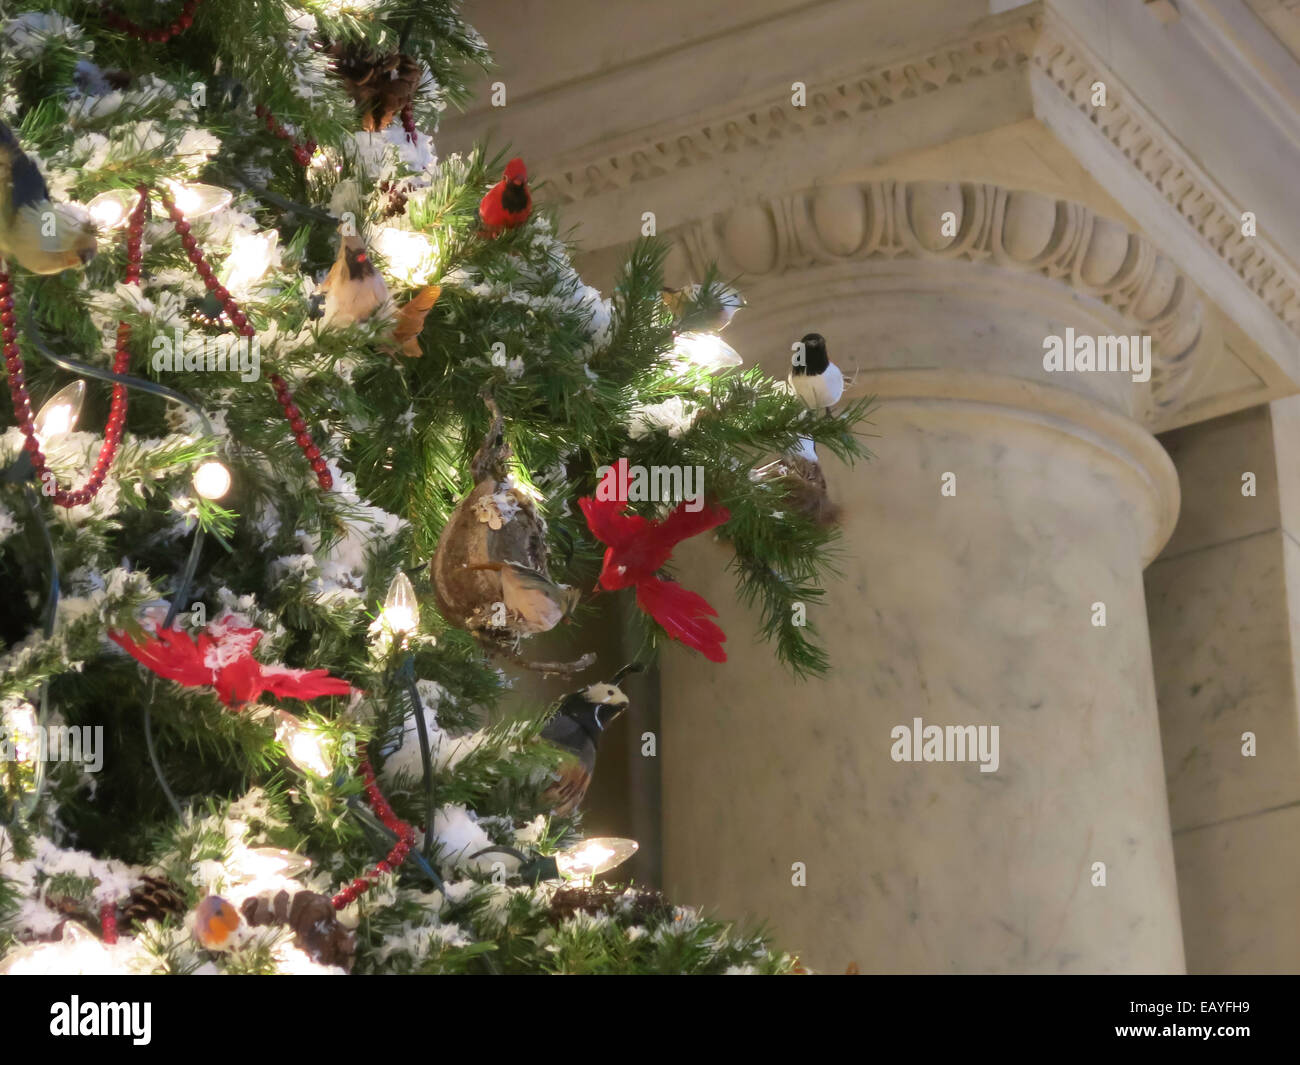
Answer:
(312, 433)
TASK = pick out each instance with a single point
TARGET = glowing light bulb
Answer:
(111, 209)
(19, 733)
(706, 350)
(265, 863)
(411, 256)
(60, 412)
(594, 856)
(251, 255)
(194, 201)
(304, 745)
(401, 611)
(212, 480)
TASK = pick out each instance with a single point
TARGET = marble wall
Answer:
(1224, 603)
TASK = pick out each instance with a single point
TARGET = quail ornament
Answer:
(815, 379)
(44, 237)
(576, 727)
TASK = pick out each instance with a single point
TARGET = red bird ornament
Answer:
(508, 203)
(222, 658)
(637, 547)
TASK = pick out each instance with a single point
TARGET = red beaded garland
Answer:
(156, 36)
(395, 857)
(240, 321)
(108, 923)
(121, 363)
(303, 152)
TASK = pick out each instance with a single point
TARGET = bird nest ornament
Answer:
(489, 571)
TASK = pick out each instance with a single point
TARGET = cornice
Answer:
(1204, 206)
(833, 104)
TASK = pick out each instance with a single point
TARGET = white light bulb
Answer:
(19, 733)
(266, 863)
(195, 200)
(111, 209)
(212, 480)
(251, 255)
(594, 856)
(411, 256)
(401, 610)
(304, 745)
(59, 413)
(705, 350)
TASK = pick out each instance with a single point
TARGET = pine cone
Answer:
(396, 193)
(154, 899)
(381, 85)
(260, 911)
(607, 899)
(316, 928)
(318, 932)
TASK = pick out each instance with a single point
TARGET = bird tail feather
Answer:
(684, 616)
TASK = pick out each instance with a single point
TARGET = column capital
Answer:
(1014, 251)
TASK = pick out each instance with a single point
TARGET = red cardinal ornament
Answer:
(222, 658)
(637, 547)
(508, 203)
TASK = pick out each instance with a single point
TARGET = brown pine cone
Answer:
(381, 85)
(315, 924)
(318, 932)
(260, 910)
(396, 198)
(607, 899)
(154, 899)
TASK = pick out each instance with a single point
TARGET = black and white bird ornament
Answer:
(576, 727)
(815, 379)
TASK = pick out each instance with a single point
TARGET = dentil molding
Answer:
(841, 102)
(1202, 204)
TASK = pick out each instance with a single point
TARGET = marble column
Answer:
(974, 608)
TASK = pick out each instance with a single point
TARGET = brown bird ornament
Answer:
(354, 289)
